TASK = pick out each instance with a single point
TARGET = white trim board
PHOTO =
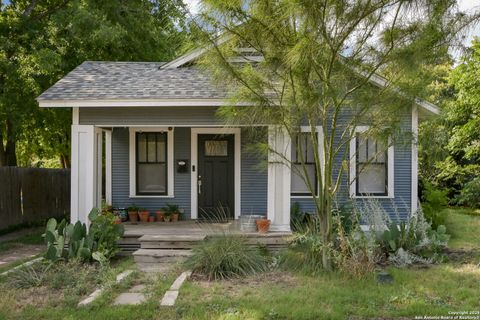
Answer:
(194, 163)
(353, 167)
(170, 161)
(99, 103)
(414, 190)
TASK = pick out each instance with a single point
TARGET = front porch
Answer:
(106, 167)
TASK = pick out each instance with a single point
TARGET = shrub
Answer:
(225, 257)
(470, 194)
(433, 202)
(100, 243)
(304, 253)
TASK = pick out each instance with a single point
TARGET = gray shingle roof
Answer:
(94, 80)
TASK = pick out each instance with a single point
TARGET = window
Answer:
(302, 150)
(151, 162)
(371, 166)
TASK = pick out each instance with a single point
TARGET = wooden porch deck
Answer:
(185, 234)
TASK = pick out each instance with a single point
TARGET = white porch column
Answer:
(84, 172)
(108, 166)
(279, 179)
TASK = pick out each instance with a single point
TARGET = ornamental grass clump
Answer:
(225, 257)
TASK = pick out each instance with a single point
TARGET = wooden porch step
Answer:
(160, 255)
(170, 241)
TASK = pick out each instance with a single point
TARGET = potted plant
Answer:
(173, 211)
(151, 218)
(263, 225)
(133, 213)
(160, 214)
(143, 214)
(167, 216)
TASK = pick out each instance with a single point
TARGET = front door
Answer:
(216, 177)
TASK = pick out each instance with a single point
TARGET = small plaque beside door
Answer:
(216, 148)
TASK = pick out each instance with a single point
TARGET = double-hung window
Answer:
(371, 166)
(303, 165)
(151, 172)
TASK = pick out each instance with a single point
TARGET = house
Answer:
(156, 125)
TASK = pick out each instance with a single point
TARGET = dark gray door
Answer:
(216, 176)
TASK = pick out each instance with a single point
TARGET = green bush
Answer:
(470, 194)
(225, 257)
(304, 253)
(434, 201)
(68, 241)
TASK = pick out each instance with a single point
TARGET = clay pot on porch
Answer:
(175, 217)
(143, 215)
(160, 215)
(117, 220)
(151, 218)
(263, 225)
(133, 216)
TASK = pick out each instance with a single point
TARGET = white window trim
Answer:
(414, 195)
(353, 167)
(170, 164)
(237, 167)
(320, 137)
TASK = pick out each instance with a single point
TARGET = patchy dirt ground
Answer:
(20, 252)
(234, 287)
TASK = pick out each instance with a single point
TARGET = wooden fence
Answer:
(32, 195)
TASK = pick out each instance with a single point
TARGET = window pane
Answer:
(372, 179)
(297, 183)
(304, 140)
(218, 148)
(142, 147)
(161, 147)
(372, 150)
(151, 178)
(151, 147)
(309, 145)
(361, 148)
(381, 151)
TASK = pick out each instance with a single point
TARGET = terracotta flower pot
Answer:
(117, 220)
(151, 218)
(133, 216)
(144, 215)
(160, 215)
(175, 217)
(263, 225)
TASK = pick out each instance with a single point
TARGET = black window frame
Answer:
(368, 162)
(304, 194)
(137, 162)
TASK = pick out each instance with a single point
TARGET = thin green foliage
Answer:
(225, 257)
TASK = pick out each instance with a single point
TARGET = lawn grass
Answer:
(435, 291)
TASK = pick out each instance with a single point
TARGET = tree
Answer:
(317, 63)
(458, 159)
(40, 41)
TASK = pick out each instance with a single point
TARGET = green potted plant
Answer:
(160, 214)
(173, 211)
(143, 214)
(167, 216)
(133, 213)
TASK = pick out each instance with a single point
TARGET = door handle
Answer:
(199, 184)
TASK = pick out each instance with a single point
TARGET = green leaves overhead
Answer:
(41, 41)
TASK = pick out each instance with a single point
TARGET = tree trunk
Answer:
(65, 161)
(10, 148)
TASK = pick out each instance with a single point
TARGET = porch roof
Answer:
(106, 80)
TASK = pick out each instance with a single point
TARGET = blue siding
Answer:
(253, 183)
(254, 179)
(400, 206)
(120, 173)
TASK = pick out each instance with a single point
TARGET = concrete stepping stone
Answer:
(172, 294)
(130, 298)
